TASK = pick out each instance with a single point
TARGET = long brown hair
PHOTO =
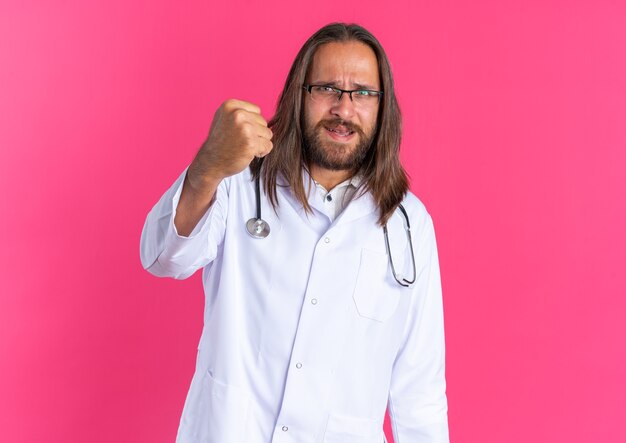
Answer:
(383, 175)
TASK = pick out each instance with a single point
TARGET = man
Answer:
(322, 307)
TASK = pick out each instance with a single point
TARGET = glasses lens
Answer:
(324, 94)
(364, 97)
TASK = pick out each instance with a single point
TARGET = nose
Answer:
(344, 107)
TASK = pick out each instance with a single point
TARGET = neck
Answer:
(329, 178)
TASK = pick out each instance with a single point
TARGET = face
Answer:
(338, 134)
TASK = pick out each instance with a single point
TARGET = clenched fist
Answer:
(238, 134)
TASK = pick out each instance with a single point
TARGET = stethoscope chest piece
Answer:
(258, 228)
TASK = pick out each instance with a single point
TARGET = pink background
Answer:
(515, 139)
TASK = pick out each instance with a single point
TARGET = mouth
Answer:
(340, 132)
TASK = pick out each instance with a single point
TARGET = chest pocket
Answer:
(376, 294)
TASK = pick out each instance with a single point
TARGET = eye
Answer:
(364, 93)
(324, 89)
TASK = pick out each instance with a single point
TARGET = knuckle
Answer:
(239, 116)
(253, 106)
(245, 129)
(265, 149)
(228, 104)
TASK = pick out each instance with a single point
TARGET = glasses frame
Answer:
(340, 91)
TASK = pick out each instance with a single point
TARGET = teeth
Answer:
(344, 133)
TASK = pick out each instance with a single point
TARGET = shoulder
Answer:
(419, 217)
(415, 208)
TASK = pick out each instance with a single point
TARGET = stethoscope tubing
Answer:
(259, 228)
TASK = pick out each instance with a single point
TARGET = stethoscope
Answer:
(256, 226)
(259, 228)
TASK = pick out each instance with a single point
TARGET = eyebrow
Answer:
(364, 86)
(356, 85)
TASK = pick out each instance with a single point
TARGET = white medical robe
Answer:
(307, 336)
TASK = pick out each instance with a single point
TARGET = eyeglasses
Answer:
(330, 95)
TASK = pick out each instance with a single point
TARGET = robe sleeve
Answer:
(417, 397)
(164, 252)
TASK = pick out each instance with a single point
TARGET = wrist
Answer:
(202, 183)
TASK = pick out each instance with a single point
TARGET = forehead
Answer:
(346, 64)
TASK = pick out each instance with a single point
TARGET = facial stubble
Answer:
(336, 156)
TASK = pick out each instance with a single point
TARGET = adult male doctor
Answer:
(328, 311)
